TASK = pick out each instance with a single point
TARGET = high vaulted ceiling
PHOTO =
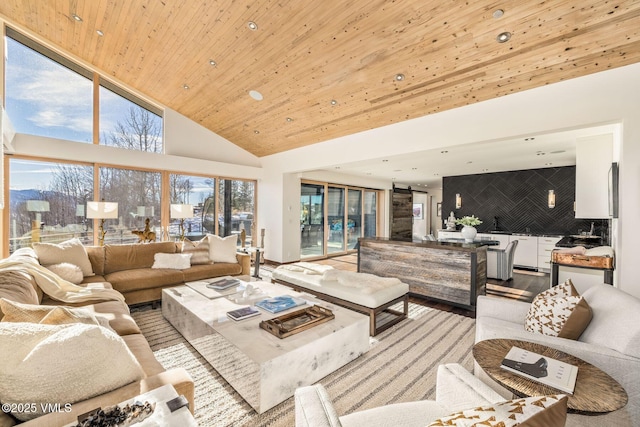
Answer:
(306, 54)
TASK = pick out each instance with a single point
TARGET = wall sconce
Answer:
(551, 199)
(458, 201)
(181, 212)
(102, 211)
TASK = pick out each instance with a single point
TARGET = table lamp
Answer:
(37, 206)
(181, 212)
(102, 210)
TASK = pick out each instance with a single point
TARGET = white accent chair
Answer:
(456, 389)
(500, 261)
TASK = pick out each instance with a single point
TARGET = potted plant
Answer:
(468, 231)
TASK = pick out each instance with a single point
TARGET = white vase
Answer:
(468, 233)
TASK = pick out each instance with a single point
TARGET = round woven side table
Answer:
(595, 391)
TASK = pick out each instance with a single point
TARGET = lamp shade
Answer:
(37, 206)
(181, 211)
(102, 210)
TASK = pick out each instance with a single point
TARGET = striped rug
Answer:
(400, 366)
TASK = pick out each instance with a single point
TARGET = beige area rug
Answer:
(400, 366)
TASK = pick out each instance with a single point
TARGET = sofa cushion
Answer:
(49, 315)
(223, 249)
(129, 257)
(143, 278)
(18, 286)
(71, 251)
(536, 411)
(140, 348)
(199, 251)
(559, 312)
(171, 261)
(61, 363)
(96, 257)
(616, 320)
(67, 271)
(199, 272)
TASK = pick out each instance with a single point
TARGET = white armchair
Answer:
(500, 262)
(456, 389)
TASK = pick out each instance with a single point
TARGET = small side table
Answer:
(595, 391)
(256, 268)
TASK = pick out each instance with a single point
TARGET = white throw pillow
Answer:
(223, 249)
(61, 364)
(172, 261)
(70, 251)
(69, 272)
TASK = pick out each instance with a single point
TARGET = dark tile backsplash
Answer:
(519, 201)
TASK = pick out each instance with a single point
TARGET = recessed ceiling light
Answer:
(444, 152)
(256, 131)
(289, 119)
(399, 77)
(337, 167)
(185, 86)
(414, 169)
(100, 33)
(436, 174)
(334, 102)
(498, 13)
(503, 37)
(530, 138)
(540, 153)
(485, 170)
(548, 164)
(212, 63)
(76, 17)
(368, 173)
(256, 95)
(252, 25)
(385, 160)
(469, 162)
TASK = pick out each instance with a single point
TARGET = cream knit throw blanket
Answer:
(56, 287)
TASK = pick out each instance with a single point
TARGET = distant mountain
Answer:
(19, 196)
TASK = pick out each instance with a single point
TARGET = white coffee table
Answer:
(263, 369)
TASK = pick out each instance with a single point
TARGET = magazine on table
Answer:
(280, 303)
(243, 313)
(224, 283)
(543, 369)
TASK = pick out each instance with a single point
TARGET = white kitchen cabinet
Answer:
(526, 254)
(502, 238)
(593, 161)
(545, 246)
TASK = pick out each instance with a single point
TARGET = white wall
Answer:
(607, 97)
(420, 225)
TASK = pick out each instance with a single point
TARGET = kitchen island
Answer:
(452, 272)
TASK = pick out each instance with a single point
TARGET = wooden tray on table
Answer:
(297, 321)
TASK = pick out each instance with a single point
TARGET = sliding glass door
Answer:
(336, 220)
(311, 220)
(333, 224)
(354, 218)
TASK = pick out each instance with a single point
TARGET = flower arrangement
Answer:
(469, 221)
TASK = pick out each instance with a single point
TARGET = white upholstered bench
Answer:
(362, 292)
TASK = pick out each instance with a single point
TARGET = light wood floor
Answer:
(524, 286)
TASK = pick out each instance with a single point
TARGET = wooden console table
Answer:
(455, 273)
(595, 391)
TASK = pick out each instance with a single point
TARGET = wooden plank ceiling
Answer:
(304, 54)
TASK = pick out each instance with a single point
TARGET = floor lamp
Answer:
(102, 211)
(181, 212)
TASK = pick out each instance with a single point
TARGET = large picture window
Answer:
(236, 208)
(45, 94)
(138, 196)
(48, 202)
(49, 95)
(197, 191)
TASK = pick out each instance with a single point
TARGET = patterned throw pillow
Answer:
(199, 251)
(559, 312)
(536, 411)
